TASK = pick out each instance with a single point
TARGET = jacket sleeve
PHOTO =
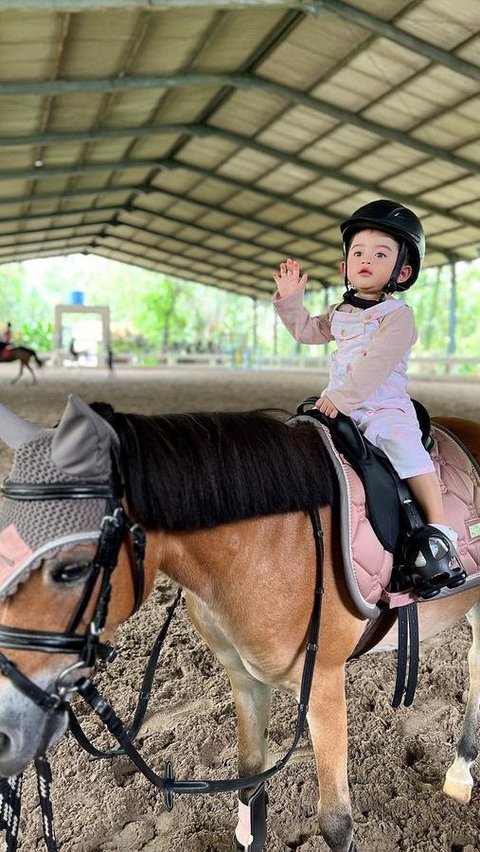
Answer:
(392, 341)
(302, 326)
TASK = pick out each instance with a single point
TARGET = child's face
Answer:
(370, 261)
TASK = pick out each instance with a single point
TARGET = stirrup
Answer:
(444, 570)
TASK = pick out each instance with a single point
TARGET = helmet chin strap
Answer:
(392, 284)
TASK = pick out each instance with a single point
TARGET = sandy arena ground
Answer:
(397, 758)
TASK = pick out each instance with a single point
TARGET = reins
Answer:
(89, 647)
(167, 783)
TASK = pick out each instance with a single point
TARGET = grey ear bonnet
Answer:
(38, 521)
(78, 450)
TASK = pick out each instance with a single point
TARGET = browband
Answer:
(55, 490)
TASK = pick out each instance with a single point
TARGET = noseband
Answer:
(88, 647)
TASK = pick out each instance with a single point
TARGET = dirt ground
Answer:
(397, 757)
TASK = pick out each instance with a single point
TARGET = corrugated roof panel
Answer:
(312, 49)
(248, 165)
(98, 42)
(72, 113)
(444, 24)
(247, 111)
(259, 129)
(341, 145)
(171, 39)
(28, 44)
(233, 36)
(198, 152)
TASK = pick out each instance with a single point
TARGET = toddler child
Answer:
(383, 247)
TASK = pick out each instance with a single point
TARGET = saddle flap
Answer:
(367, 564)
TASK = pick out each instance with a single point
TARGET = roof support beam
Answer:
(59, 197)
(387, 134)
(30, 246)
(148, 189)
(58, 214)
(399, 36)
(239, 141)
(374, 188)
(258, 268)
(127, 210)
(42, 173)
(203, 230)
(38, 253)
(32, 232)
(237, 81)
(342, 10)
(150, 5)
(101, 230)
(44, 240)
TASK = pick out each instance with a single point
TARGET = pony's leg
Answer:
(252, 702)
(19, 374)
(327, 720)
(459, 781)
(31, 373)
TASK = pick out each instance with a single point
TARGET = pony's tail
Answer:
(38, 360)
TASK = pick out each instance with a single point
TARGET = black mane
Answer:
(190, 471)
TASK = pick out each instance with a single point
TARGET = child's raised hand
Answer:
(289, 278)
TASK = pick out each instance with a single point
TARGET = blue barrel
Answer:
(77, 297)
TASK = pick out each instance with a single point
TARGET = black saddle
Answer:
(391, 507)
(396, 519)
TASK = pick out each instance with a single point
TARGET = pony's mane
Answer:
(190, 471)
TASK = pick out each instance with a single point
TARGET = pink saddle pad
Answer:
(368, 566)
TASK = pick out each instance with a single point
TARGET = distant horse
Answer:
(22, 354)
(224, 499)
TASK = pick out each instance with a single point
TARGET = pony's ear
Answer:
(14, 430)
(82, 442)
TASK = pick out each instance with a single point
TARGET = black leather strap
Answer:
(167, 783)
(55, 491)
(408, 643)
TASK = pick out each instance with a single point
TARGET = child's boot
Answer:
(430, 558)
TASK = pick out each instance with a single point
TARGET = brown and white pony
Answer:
(224, 499)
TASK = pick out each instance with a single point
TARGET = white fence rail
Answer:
(420, 366)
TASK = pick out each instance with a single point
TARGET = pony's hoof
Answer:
(460, 791)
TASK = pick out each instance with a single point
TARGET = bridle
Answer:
(88, 647)
(114, 528)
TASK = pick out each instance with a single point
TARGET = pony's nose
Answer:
(5, 742)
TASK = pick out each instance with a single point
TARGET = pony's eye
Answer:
(65, 573)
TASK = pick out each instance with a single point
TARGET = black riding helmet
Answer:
(400, 223)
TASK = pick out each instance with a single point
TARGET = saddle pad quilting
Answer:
(368, 566)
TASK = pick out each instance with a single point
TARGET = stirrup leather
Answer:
(443, 567)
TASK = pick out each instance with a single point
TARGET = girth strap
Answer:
(374, 632)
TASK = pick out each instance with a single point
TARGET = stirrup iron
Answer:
(442, 566)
